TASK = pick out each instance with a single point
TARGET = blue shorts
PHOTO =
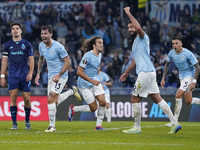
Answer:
(19, 83)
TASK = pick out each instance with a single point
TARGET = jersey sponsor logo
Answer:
(23, 46)
(11, 47)
(17, 53)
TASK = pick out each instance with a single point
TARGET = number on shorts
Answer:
(57, 86)
(134, 87)
(186, 83)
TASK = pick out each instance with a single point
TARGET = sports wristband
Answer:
(2, 75)
(194, 81)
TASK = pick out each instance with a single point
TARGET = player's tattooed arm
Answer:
(40, 64)
(166, 69)
(197, 70)
(196, 75)
(65, 66)
(61, 73)
(162, 83)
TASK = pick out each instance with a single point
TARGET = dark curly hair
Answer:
(88, 43)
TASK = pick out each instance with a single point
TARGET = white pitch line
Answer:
(71, 131)
(79, 131)
(96, 143)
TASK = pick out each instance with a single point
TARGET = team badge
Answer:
(52, 52)
(182, 58)
(23, 46)
(84, 61)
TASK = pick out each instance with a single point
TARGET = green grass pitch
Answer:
(80, 135)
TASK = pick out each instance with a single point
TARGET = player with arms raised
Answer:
(146, 81)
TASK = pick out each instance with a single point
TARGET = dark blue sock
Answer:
(13, 111)
(27, 113)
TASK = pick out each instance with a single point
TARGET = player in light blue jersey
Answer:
(106, 82)
(58, 63)
(146, 81)
(18, 56)
(88, 81)
(188, 67)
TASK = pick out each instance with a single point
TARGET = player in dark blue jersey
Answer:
(17, 55)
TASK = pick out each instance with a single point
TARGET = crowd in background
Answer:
(79, 24)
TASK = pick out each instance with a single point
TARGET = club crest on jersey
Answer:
(182, 58)
(52, 52)
(84, 61)
(23, 46)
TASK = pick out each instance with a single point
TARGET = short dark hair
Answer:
(15, 23)
(177, 38)
(49, 27)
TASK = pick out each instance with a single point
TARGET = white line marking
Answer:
(79, 131)
(102, 143)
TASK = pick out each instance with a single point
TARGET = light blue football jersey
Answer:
(90, 62)
(184, 61)
(141, 54)
(104, 77)
(54, 57)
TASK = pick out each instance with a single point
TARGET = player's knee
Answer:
(51, 98)
(93, 106)
(93, 109)
(107, 105)
(13, 98)
(102, 103)
(26, 100)
(188, 102)
(178, 96)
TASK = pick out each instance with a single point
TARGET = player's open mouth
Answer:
(44, 39)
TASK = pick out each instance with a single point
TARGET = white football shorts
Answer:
(90, 93)
(56, 87)
(145, 84)
(185, 82)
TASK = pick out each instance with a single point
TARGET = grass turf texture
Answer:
(80, 135)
